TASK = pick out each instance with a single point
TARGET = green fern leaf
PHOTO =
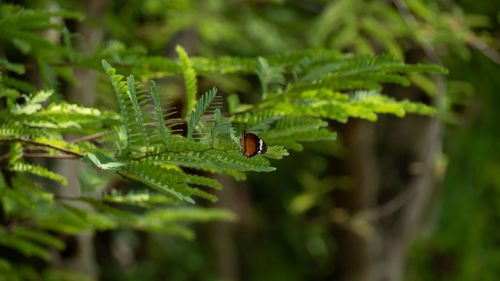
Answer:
(37, 170)
(289, 131)
(11, 66)
(163, 130)
(134, 138)
(14, 195)
(138, 113)
(103, 161)
(142, 199)
(204, 181)
(78, 221)
(189, 79)
(224, 65)
(18, 84)
(231, 160)
(167, 181)
(39, 236)
(24, 246)
(269, 75)
(16, 152)
(190, 214)
(276, 152)
(33, 104)
(205, 195)
(122, 216)
(200, 109)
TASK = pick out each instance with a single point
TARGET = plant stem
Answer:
(25, 140)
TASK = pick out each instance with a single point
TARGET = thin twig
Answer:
(48, 155)
(25, 140)
(389, 207)
(25, 149)
(488, 51)
(89, 138)
(4, 157)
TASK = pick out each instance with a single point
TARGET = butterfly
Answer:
(252, 145)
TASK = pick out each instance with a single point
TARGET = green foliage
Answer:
(24, 246)
(189, 79)
(162, 128)
(319, 76)
(268, 75)
(156, 157)
(148, 161)
(19, 27)
(37, 170)
(201, 108)
(289, 131)
(164, 166)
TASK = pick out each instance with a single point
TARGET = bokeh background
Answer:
(412, 198)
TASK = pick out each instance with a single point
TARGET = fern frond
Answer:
(276, 152)
(412, 68)
(337, 85)
(18, 84)
(33, 104)
(156, 66)
(36, 19)
(204, 181)
(63, 118)
(190, 214)
(257, 120)
(38, 236)
(202, 105)
(163, 131)
(189, 79)
(224, 65)
(26, 40)
(269, 75)
(168, 220)
(119, 215)
(205, 195)
(138, 112)
(11, 66)
(237, 175)
(23, 245)
(289, 131)
(143, 114)
(133, 141)
(14, 195)
(232, 160)
(76, 220)
(333, 105)
(165, 180)
(23, 193)
(16, 152)
(37, 170)
(142, 199)
(305, 57)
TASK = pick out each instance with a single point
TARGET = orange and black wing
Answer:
(252, 145)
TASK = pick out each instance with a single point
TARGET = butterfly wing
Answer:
(252, 145)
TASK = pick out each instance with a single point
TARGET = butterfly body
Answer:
(252, 145)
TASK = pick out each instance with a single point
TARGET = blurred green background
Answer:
(362, 208)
